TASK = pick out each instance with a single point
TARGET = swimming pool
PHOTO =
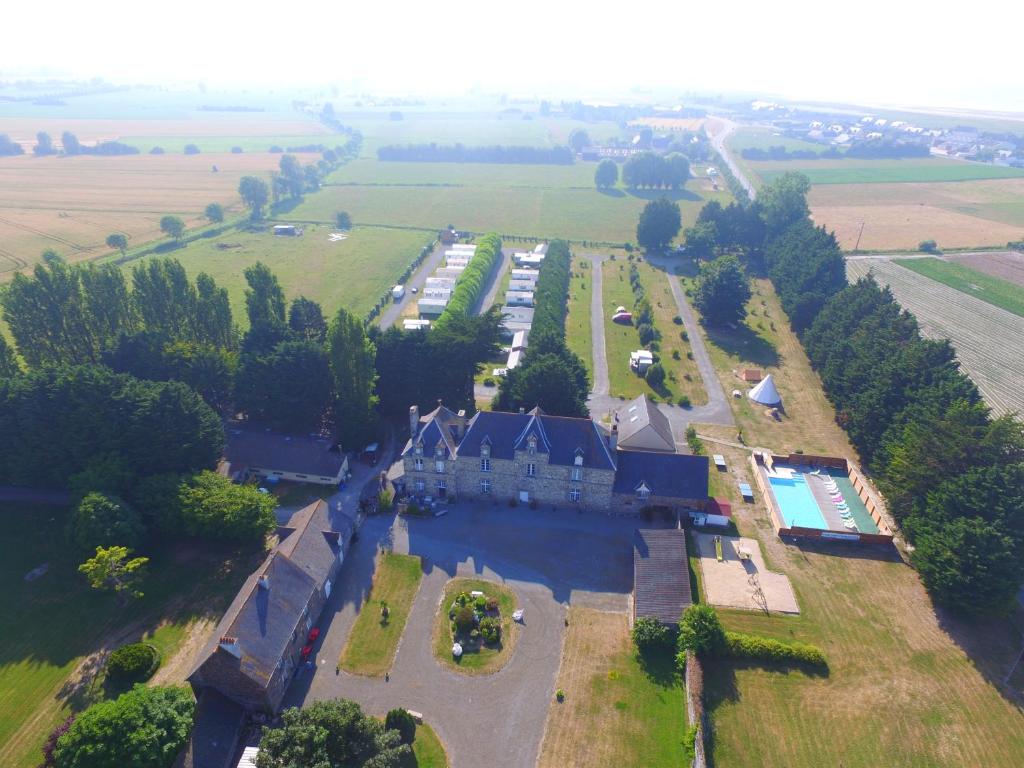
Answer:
(797, 503)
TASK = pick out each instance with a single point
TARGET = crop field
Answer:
(999, 293)
(71, 204)
(989, 341)
(50, 626)
(1007, 265)
(857, 171)
(373, 172)
(898, 216)
(353, 273)
(577, 214)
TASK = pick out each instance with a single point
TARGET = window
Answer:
(576, 474)
(531, 470)
(420, 486)
(442, 485)
(439, 466)
(485, 486)
(643, 493)
(574, 494)
(419, 464)
(419, 449)
(531, 445)
(485, 450)
(439, 452)
(485, 465)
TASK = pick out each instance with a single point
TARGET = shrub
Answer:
(133, 663)
(684, 336)
(655, 375)
(480, 604)
(400, 720)
(488, 382)
(700, 631)
(651, 634)
(928, 246)
(51, 742)
(742, 646)
(677, 320)
(693, 441)
(560, 695)
(492, 604)
(191, 149)
(490, 630)
(676, 355)
(412, 508)
(103, 521)
(684, 402)
(465, 619)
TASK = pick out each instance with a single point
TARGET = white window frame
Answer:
(442, 484)
(643, 494)
(420, 486)
(485, 464)
(485, 485)
(439, 467)
(418, 463)
(575, 494)
(531, 469)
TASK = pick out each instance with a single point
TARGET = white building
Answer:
(519, 298)
(410, 324)
(641, 360)
(398, 292)
(526, 274)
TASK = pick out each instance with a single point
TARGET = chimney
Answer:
(613, 439)
(522, 410)
(414, 420)
(264, 581)
(230, 644)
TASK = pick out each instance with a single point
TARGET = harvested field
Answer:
(618, 710)
(71, 204)
(989, 341)
(1008, 265)
(1001, 293)
(857, 171)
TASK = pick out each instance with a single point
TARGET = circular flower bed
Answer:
(474, 630)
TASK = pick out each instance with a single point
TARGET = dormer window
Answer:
(643, 492)
(578, 461)
(485, 451)
(531, 445)
(439, 452)
(419, 449)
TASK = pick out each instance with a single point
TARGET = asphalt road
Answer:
(718, 142)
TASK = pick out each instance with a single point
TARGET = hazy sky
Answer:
(897, 52)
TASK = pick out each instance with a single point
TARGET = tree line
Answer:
(864, 150)
(460, 153)
(649, 170)
(550, 374)
(953, 475)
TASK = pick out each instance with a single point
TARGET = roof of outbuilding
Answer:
(661, 577)
(641, 413)
(670, 475)
(251, 445)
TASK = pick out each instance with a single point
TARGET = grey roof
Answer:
(639, 413)
(438, 426)
(558, 436)
(251, 445)
(661, 577)
(217, 725)
(263, 619)
(670, 475)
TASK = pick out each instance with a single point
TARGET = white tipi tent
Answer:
(765, 393)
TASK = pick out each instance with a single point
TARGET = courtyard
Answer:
(550, 560)
(741, 579)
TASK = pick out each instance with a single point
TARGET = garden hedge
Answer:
(473, 280)
(742, 646)
(134, 663)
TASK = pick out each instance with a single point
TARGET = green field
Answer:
(577, 323)
(49, 625)
(374, 172)
(999, 293)
(372, 644)
(427, 750)
(764, 138)
(883, 171)
(353, 273)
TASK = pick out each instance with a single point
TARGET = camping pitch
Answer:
(765, 393)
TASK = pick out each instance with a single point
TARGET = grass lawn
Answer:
(353, 273)
(427, 750)
(489, 659)
(577, 323)
(620, 340)
(1000, 293)
(50, 625)
(371, 646)
(618, 710)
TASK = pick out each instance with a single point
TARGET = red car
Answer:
(314, 633)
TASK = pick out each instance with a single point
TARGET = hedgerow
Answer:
(473, 279)
(742, 646)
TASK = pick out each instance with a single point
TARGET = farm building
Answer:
(286, 230)
(256, 451)
(661, 577)
(519, 298)
(643, 427)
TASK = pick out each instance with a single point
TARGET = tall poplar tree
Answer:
(351, 355)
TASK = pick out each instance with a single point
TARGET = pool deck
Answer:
(833, 519)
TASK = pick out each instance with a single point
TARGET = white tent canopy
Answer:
(765, 393)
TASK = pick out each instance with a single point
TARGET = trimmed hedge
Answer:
(549, 297)
(473, 279)
(134, 663)
(742, 646)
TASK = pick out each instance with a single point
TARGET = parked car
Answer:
(414, 289)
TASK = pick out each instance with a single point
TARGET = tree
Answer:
(172, 226)
(549, 380)
(265, 386)
(111, 570)
(659, 224)
(351, 355)
(606, 175)
(400, 720)
(212, 321)
(213, 507)
(701, 240)
(655, 376)
(651, 635)
(44, 145)
(164, 298)
(578, 140)
(292, 175)
(103, 521)
(119, 241)
(330, 733)
(306, 319)
(143, 728)
(343, 220)
(255, 194)
(70, 143)
(191, 149)
(722, 291)
(215, 213)
(264, 298)
(700, 631)
(8, 362)
(784, 201)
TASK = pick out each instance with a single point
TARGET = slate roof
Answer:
(264, 619)
(558, 436)
(251, 445)
(671, 475)
(637, 415)
(436, 427)
(214, 737)
(661, 578)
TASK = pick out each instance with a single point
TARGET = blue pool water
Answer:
(797, 503)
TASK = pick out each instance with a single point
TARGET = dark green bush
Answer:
(743, 646)
(490, 630)
(133, 663)
(400, 720)
(651, 634)
(465, 619)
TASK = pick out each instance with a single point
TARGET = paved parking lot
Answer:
(549, 559)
